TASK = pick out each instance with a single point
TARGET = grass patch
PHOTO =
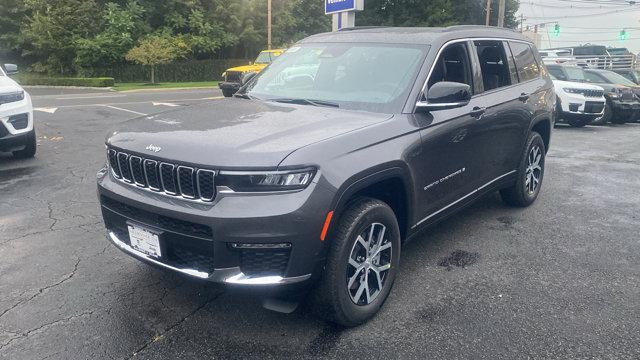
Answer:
(164, 85)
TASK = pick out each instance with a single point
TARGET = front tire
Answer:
(30, 147)
(529, 176)
(361, 266)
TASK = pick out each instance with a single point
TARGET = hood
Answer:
(576, 85)
(248, 68)
(8, 85)
(236, 133)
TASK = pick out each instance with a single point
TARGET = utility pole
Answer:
(501, 11)
(269, 24)
(488, 19)
(521, 23)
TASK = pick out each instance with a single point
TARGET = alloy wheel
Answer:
(534, 169)
(369, 264)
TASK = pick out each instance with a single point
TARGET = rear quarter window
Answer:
(525, 59)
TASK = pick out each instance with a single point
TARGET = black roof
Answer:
(415, 35)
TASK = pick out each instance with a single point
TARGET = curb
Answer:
(67, 87)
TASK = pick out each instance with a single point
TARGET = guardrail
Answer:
(606, 62)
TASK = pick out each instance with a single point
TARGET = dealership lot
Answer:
(559, 279)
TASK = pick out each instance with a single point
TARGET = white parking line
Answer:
(127, 110)
(89, 97)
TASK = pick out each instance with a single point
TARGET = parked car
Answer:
(17, 133)
(578, 103)
(315, 184)
(589, 56)
(621, 102)
(559, 57)
(232, 78)
(629, 96)
(621, 58)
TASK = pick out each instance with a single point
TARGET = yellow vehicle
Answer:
(233, 77)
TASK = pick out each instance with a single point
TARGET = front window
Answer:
(368, 77)
(265, 57)
(2, 71)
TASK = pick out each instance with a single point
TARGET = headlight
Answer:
(224, 74)
(614, 94)
(573, 91)
(260, 181)
(11, 97)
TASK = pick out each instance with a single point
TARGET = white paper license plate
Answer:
(144, 240)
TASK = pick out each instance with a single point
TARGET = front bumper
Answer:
(206, 232)
(580, 105)
(17, 142)
(628, 106)
(233, 86)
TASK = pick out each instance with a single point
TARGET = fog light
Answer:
(19, 121)
(574, 107)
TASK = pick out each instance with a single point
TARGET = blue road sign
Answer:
(336, 6)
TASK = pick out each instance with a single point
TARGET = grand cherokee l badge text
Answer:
(448, 177)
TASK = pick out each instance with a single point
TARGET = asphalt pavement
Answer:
(560, 279)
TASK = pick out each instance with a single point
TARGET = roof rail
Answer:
(355, 28)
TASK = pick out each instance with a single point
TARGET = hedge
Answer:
(86, 82)
(193, 70)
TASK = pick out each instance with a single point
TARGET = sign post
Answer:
(343, 12)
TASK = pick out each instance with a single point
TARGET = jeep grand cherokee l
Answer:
(17, 133)
(314, 174)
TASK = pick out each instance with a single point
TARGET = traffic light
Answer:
(624, 35)
(556, 30)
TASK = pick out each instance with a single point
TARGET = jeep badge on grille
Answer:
(153, 148)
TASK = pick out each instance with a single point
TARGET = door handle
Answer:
(523, 97)
(477, 112)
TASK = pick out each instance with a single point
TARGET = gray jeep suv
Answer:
(316, 172)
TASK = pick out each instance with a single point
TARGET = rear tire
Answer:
(30, 147)
(525, 190)
(362, 264)
(228, 92)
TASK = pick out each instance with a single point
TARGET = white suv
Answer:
(578, 103)
(17, 134)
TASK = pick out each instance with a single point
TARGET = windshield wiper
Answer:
(302, 101)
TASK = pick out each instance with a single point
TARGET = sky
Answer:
(584, 21)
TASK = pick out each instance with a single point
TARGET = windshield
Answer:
(576, 74)
(617, 78)
(370, 77)
(622, 51)
(265, 58)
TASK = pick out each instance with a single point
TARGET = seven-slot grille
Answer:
(233, 76)
(163, 177)
(593, 93)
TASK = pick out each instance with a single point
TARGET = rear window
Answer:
(525, 61)
(590, 50)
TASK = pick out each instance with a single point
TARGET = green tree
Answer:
(52, 28)
(118, 35)
(155, 50)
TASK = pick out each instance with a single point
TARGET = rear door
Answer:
(499, 134)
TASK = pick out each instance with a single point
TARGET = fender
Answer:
(393, 170)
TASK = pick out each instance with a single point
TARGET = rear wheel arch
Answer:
(543, 127)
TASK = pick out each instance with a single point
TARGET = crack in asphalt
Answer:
(50, 215)
(26, 334)
(173, 326)
(40, 291)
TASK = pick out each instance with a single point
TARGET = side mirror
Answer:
(11, 69)
(445, 95)
(247, 77)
